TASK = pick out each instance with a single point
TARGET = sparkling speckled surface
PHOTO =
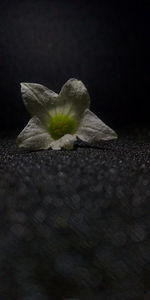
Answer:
(75, 224)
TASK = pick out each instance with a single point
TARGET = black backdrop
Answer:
(103, 43)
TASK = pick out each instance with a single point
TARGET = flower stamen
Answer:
(60, 125)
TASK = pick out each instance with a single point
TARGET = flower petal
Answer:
(34, 136)
(92, 129)
(65, 142)
(75, 95)
(38, 99)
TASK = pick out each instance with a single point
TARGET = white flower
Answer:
(59, 119)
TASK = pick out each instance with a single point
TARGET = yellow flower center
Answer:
(60, 125)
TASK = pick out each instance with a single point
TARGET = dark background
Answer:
(103, 43)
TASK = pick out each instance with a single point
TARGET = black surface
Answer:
(75, 224)
(103, 43)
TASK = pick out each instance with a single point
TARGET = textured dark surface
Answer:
(75, 225)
